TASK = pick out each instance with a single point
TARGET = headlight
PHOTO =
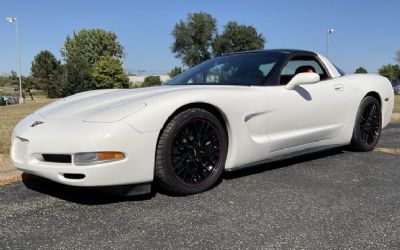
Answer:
(97, 157)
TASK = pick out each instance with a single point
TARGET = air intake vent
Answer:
(58, 158)
(74, 176)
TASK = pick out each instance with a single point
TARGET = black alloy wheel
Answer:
(368, 125)
(191, 152)
(196, 152)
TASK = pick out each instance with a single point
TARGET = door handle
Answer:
(338, 87)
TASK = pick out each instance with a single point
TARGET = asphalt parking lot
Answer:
(334, 199)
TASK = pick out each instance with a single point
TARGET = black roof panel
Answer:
(285, 51)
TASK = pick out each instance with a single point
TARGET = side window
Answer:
(299, 65)
(266, 68)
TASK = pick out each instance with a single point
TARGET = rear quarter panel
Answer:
(369, 83)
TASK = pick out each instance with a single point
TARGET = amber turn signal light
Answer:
(106, 156)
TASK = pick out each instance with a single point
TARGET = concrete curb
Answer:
(10, 177)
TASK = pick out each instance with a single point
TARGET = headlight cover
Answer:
(82, 159)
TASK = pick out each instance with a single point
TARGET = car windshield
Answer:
(235, 69)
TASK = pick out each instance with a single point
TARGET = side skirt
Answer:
(286, 156)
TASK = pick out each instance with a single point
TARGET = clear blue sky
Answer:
(366, 31)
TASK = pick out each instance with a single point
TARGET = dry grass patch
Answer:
(395, 151)
(11, 115)
(396, 104)
(396, 109)
(5, 164)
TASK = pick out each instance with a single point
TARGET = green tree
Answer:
(29, 83)
(13, 79)
(398, 56)
(47, 74)
(91, 44)
(175, 71)
(78, 76)
(82, 51)
(236, 38)
(4, 81)
(151, 81)
(193, 38)
(361, 70)
(109, 73)
(390, 71)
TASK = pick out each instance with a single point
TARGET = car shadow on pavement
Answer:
(263, 167)
(95, 196)
(80, 195)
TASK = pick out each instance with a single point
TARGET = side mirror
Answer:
(302, 78)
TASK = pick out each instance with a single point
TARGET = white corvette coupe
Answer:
(226, 113)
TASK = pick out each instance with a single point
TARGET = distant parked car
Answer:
(2, 101)
(396, 86)
(11, 100)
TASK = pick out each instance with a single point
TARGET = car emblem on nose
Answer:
(36, 123)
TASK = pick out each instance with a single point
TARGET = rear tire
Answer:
(191, 153)
(368, 125)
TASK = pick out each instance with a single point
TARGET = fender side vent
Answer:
(58, 158)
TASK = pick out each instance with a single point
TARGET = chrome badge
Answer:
(36, 123)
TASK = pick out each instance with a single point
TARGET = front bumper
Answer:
(71, 137)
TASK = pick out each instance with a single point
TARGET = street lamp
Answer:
(14, 20)
(330, 31)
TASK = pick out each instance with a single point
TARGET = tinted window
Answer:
(236, 69)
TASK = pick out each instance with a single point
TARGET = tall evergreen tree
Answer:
(46, 71)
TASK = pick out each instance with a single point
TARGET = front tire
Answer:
(191, 153)
(368, 125)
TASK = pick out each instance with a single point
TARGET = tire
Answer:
(191, 153)
(368, 125)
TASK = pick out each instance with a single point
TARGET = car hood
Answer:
(108, 105)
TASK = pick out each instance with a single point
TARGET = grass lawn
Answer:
(396, 104)
(11, 115)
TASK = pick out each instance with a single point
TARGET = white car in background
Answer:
(226, 113)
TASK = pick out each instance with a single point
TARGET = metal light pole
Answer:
(14, 20)
(330, 31)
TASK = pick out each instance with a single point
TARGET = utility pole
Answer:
(330, 31)
(14, 20)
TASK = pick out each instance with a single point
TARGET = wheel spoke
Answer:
(180, 163)
(372, 111)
